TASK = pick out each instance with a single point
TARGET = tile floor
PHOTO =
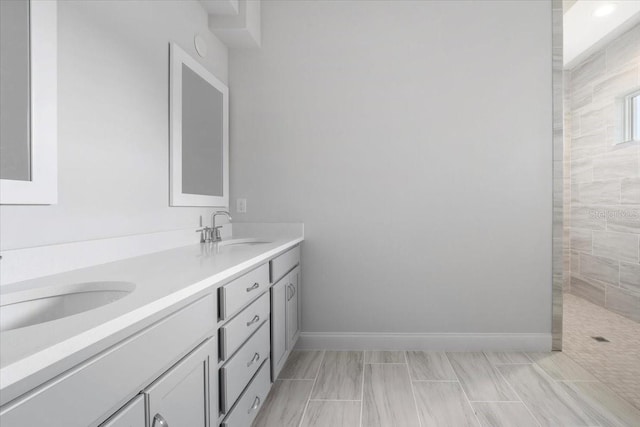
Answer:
(617, 362)
(405, 389)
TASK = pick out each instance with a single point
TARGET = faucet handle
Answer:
(216, 233)
(204, 233)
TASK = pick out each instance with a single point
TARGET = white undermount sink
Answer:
(239, 242)
(33, 306)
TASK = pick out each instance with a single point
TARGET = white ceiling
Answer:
(584, 33)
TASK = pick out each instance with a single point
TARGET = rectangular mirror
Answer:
(199, 134)
(15, 140)
(28, 102)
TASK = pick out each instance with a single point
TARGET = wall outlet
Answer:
(241, 205)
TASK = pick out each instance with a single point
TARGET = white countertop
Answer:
(31, 355)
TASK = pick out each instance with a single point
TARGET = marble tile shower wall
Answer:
(605, 179)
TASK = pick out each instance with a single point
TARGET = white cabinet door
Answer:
(131, 415)
(182, 396)
(278, 326)
(293, 298)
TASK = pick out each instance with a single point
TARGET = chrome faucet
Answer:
(215, 230)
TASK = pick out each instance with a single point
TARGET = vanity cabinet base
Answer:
(104, 382)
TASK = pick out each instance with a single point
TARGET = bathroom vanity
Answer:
(198, 342)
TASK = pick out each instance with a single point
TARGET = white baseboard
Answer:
(424, 342)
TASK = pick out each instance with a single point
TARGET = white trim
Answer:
(177, 198)
(42, 189)
(426, 341)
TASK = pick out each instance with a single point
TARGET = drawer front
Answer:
(249, 404)
(235, 375)
(234, 333)
(284, 263)
(241, 291)
(106, 380)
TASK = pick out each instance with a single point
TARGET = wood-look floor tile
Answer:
(443, 404)
(301, 365)
(602, 404)
(430, 366)
(332, 413)
(285, 404)
(479, 378)
(506, 358)
(504, 414)
(384, 357)
(561, 367)
(548, 402)
(340, 376)
(388, 398)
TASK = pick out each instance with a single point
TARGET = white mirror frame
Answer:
(43, 187)
(177, 198)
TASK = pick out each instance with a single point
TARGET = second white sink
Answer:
(235, 242)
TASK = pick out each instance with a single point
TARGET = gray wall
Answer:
(605, 179)
(414, 141)
(113, 80)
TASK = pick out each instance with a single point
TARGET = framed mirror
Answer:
(28, 102)
(199, 134)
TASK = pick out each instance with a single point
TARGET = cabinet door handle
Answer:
(254, 287)
(254, 359)
(159, 421)
(255, 319)
(256, 403)
(292, 291)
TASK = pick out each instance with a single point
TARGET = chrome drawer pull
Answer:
(255, 405)
(159, 421)
(253, 360)
(254, 287)
(255, 319)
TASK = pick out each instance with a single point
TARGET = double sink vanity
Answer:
(192, 336)
(185, 337)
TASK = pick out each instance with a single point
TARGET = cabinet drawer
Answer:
(105, 381)
(235, 375)
(249, 404)
(284, 263)
(234, 333)
(241, 291)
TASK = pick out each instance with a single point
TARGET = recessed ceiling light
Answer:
(604, 10)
